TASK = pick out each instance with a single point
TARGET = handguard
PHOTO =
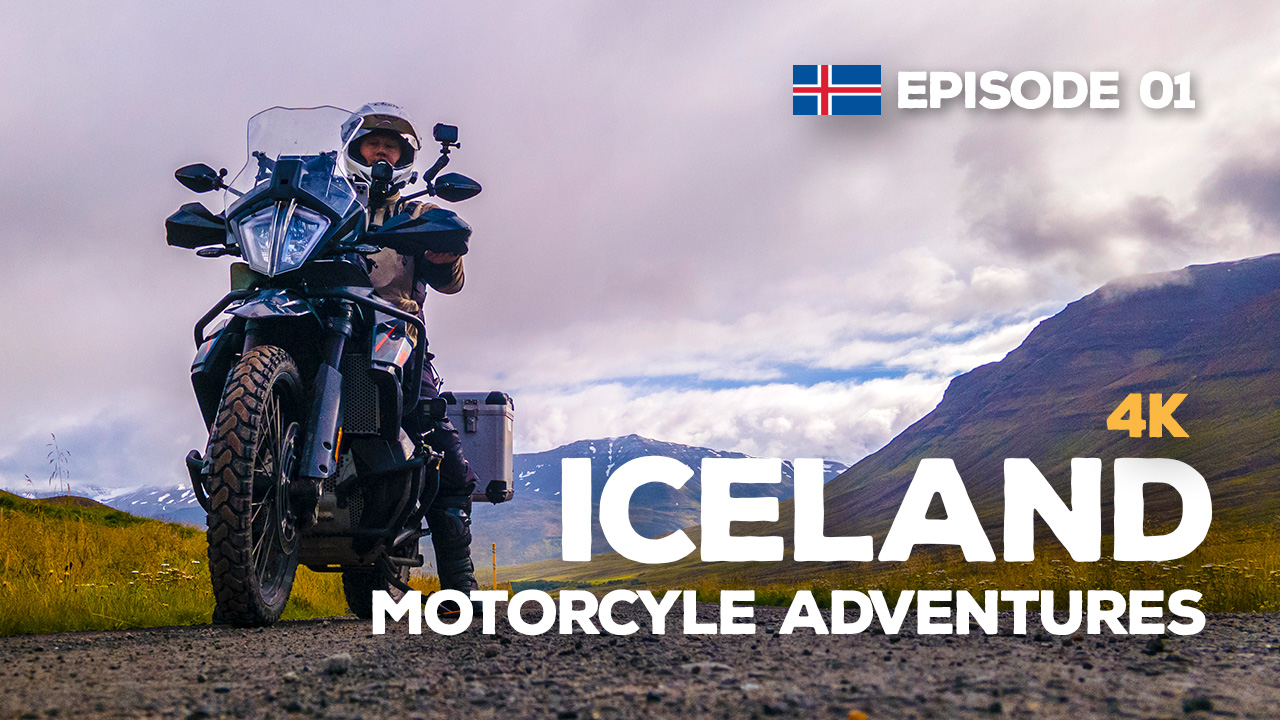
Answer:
(436, 230)
(194, 226)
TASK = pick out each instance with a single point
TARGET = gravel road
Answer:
(337, 668)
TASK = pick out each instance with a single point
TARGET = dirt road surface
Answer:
(337, 669)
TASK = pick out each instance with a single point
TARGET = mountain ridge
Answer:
(1198, 330)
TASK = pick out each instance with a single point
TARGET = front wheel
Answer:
(253, 451)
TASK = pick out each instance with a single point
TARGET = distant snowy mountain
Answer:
(176, 503)
(528, 527)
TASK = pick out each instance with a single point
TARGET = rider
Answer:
(382, 132)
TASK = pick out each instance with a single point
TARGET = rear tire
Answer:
(359, 587)
(253, 451)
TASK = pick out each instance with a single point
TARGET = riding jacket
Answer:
(403, 279)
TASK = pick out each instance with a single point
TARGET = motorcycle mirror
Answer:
(199, 177)
(445, 133)
(453, 187)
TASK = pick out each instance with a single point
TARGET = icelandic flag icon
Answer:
(835, 89)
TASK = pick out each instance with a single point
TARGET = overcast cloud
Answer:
(661, 247)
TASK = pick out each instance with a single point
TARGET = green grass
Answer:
(69, 566)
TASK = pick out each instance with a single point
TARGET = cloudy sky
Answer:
(661, 247)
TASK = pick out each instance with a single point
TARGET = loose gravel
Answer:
(336, 668)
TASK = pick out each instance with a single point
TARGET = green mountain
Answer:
(1210, 331)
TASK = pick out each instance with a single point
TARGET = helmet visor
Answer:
(398, 125)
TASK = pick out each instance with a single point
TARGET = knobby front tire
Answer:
(253, 450)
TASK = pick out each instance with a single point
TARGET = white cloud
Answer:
(954, 358)
(836, 421)
(653, 214)
(126, 441)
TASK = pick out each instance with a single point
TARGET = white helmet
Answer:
(379, 117)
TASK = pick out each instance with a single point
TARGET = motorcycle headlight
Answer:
(278, 238)
(255, 238)
(300, 237)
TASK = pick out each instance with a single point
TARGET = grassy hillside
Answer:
(69, 507)
(73, 564)
(1209, 332)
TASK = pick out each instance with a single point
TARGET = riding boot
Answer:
(450, 524)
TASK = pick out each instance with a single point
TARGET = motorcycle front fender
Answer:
(213, 362)
(274, 304)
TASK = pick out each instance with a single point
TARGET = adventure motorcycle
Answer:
(304, 379)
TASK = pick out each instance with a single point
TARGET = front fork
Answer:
(319, 453)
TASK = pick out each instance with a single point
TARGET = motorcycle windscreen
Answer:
(295, 132)
(302, 147)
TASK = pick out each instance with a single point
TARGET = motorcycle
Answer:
(306, 377)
